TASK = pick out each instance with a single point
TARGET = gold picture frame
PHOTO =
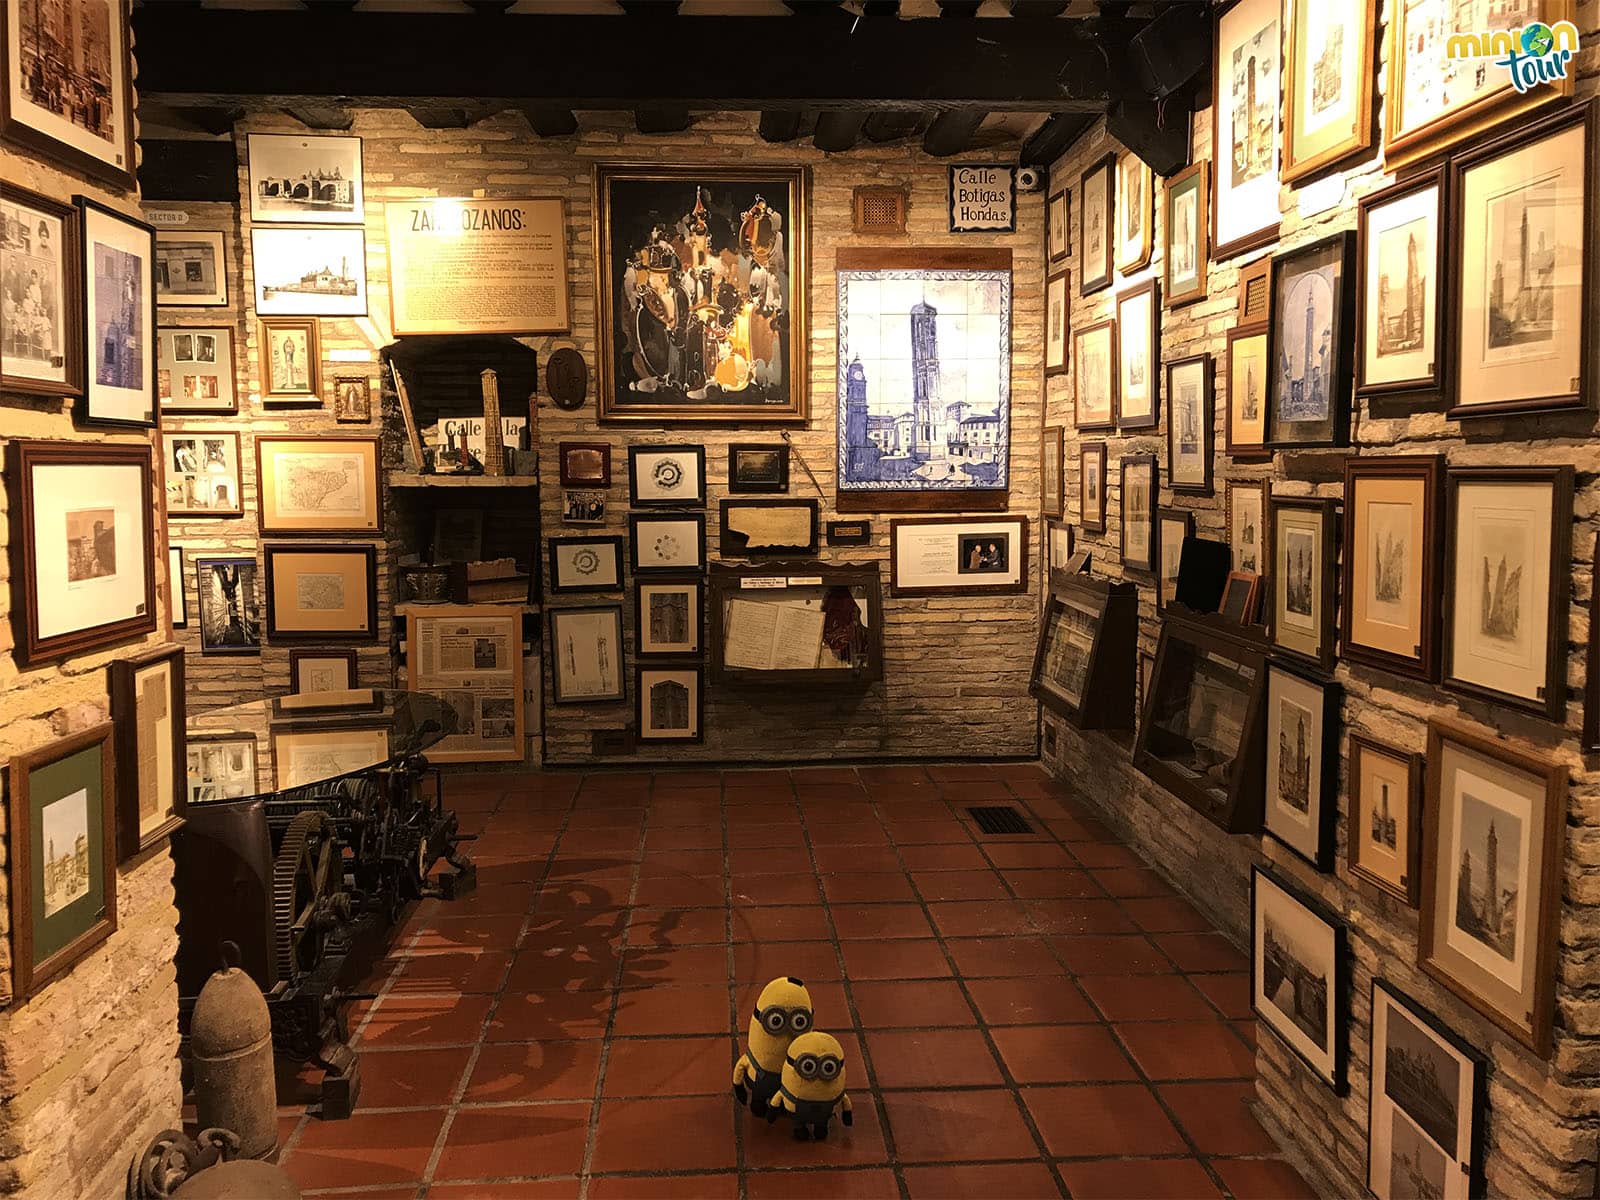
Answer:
(1344, 70)
(297, 494)
(284, 356)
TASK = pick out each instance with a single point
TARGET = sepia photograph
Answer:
(191, 268)
(1422, 1077)
(305, 179)
(201, 363)
(309, 272)
(202, 473)
(39, 347)
(91, 551)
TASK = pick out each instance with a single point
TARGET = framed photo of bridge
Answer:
(1300, 975)
(304, 179)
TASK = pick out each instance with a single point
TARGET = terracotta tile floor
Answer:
(1021, 1015)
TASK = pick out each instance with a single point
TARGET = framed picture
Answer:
(291, 360)
(62, 818)
(352, 400)
(1434, 100)
(66, 85)
(1139, 483)
(304, 179)
(1190, 421)
(667, 541)
(191, 268)
(1095, 234)
(762, 528)
(195, 370)
(318, 485)
(1139, 361)
(1094, 376)
(1400, 261)
(1591, 675)
(1055, 226)
(1247, 394)
(1309, 344)
(222, 766)
(1426, 1105)
(202, 473)
(321, 669)
(321, 593)
(585, 464)
(1327, 95)
(1521, 324)
(1255, 293)
(758, 467)
(585, 564)
(742, 233)
(1051, 487)
(1508, 549)
(1057, 321)
(472, 655)
(41, 290)
(147, 711)
(1186, 234)
(1300, 975)
(1384, 835)
(1495, 822)
(1391, 561)
(667, 476)
(1244, 127)
(1174, 525)
(1136, 215)
(309, 272)
(1058, 545)
(914, 325)
(82, 547)
(671, 702)
(1241, 597)
(230, 614)
(120, 323)
(305, 756)
(958, 556)
(1304, 532)
(457, 535)
(1302, 764)
(178, 598)
(1247, 507)
(586, 645)
(583, 506)
(849, 533)
(1092, 486)
(669, 616)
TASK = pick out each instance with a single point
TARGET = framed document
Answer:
(317, 593)
(472, 656)
(956, 556)
(586, 650)
(318, 485)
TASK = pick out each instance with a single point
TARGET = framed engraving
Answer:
(1092, 486)
(177, 598)
(1244, 127)
(1057, 321)
(667, 476)
(1190, 421)
(352, 400)
(1139, 360)
(1096, 213)
(1327, 96)
(1384, 839)
(1304, 532)
(667, 542)
(1246, 431)
(1186, 232)
(321, 593)
(1309, 344)
(1247, 507)
(321, 669)
(1302, 764)
(1051, 489)
(1094, 376)
(1173, 526)
(1136, 215)
(1056, 212)
(1400, 262)
(1139, 484)
(1392, 562)
(318, 485)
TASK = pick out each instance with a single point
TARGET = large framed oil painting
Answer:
(703, 280)
(1491, 876)
(1300, 975)
(1309, 344)
(41, 294)
(1244, 127)
(1400, 262)
(1327, 93)
(1391, 562)
(924, 392)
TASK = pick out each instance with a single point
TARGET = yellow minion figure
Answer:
(783, 1013)
(812, 1086)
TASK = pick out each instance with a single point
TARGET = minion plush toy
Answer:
(812, 1086)
(783, 1013)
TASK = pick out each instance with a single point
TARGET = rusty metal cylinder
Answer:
(230, 1046)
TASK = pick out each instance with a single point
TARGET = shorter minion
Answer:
(783, 1013)
(812, 1086)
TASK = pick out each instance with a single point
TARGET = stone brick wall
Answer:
(1542, 1126)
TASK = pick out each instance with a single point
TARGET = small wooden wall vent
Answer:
(880, 209)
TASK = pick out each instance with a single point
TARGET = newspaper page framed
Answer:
(470, 655)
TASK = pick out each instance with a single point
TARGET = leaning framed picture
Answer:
(667, 476)
(1246, 427)
(191, 268)
(671, 700)
(1094, 376)
(82, 545)
(1304, 534)
(1186, 234)
(318, 485)
(1173, 525)
(1247, 508)
(1056, 209)
(309, 272)
(1139, 484)
(667, 541)
(744, 251)
(1096, 214)
(1426, 1105)
(147, 709)
(1302, 793)
(1521, 327)
(41, 290)
(1139, 361)
(1400, 263)
(1245, 90)
(1495, 822)
(764, 528)
(178, 599)
(118, 271)
(958, 556)
(291, 360)
(321, 669)
(1300, 975)
(1309, 344)
(585, 564)
(304, 179)
(758, 467)
(195, 370)
(1508, 547)
(1190, 420)
(1092, 486)
(586, 654)
(67, 92)
(1384, 836)
(1057, 321)
(1327, 86)
(669, 616)
(321, 593)
(1052, 498)
(1392, 511)
(1136, 215)
(230, 613)
(62, 822)
(201, 467)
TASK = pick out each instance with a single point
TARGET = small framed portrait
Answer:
(195, 370)
(585, 464)
(321, 669)
(763, 528)
(667, 476)
(1190, 421)
(1056, 211)
(304, 179)
(1174, 525)
(147, 708)
(1384, 839)
(668, 617)
(1051, 487)
(321, 593)
(1139, 359)
(1139, 483)
(1310, 343)
(41, 295)
(583, 506)
(230, 612)
(318, 485)
(1302, 764)
(191, 268)
(1094, 376)
(222, 766)
(1247, 508)
(309, 272)
(1392, 516)
(1186, 231)
(671, 702)
(1400, 266)
(1096, 237)
(667, 542)
(762, 467)
(1057, 321)
(585, 564)
(1092, 486)
(176, 595)
(587, 654)
(352, 399)
(1300, 975)
(202, 473)
(291, 361)
(117, 266)
(1304, 533)
(1136, 216)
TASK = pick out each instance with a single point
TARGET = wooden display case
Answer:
(764, 619)
(1085, 665)
(1201, 735)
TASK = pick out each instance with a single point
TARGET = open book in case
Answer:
(796, 623)
(1086, 662)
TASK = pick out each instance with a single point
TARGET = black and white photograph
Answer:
(202, 473)
(191, 268)
(305, 179)
(1301, 773)
(667, 476)
(583, 506)
(668, 616)
(1299, 975)
(230, 612)
(758, 468)
(221, 767)
(118, 255)
(309, 272)
(41, 350)
(671, 703)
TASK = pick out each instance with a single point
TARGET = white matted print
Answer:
(1297, 809)
(1298, 975)
(1246, 130)
(310, 272)
(191, 268)
(952, 556)
(304, 178)
(91, 562)
(119, 303)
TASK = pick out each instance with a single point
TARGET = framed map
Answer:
(318, 485)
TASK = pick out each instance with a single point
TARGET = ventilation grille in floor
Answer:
(1000, 818)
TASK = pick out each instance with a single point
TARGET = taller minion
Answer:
(812, 1086)
(783, 1013)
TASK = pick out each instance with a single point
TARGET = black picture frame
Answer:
(560, 586)
(1181, 516)
(638, 526)
(299, 654)
(1412, 185)
(738, 478)
(697, 615)
(695, 501)
(1337, 1079)
(557, 694)
(249, 621)
(85, 406)
(271, 552)
(1103, 272)
(642, 691)
(1151, 563)
(1322, 854)
(1337, 251)
(1325, 576)
(850, 533)
(736, 545)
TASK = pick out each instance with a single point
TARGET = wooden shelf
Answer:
(410, 479)
(448, 609)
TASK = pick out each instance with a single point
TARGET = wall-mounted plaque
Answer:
(983, 198)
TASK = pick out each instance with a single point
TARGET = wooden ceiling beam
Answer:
(550, 120)
(838, 129)
(891, 126)
(1053, 139)
(322, 116)
(780, 125)
(661, 120)
(951, 132)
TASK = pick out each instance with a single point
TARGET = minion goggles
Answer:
(774, 1020)
(811, 1066)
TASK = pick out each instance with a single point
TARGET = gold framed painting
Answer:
(291, 360)
(318, 485)
(1135, 212)
(1327, 93)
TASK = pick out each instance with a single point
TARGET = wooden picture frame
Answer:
(180, 399)
(1390, 569)
(1173, 525)
(49, 936)
(1307, 153)
(578, 565)
(309, 590)
(139, 746)
(202, 474)
(1140, 523)
(1052, 473)
(490, 692)
(601, 623)
(212, 293)
(656, 542)
(758, 467)
(1413, 338)
(1058, 322)
(936, 556)
(1191, 425)
(662, 476)
(656, 632)
(1248, 552)
(585, 464)
(1241, 597)
(1092, 501)
(1302, 621)
(670, 702)
(177, 598)
(1247, 179)
(744, 543)
(304, 668)
(358, 458)
(1132, 345)
(1245, 430)
(1311, 279)
(62, 288)
(1384, 831)
(279, 379)
(352, 399)
(1095, 362)
(1057, 210)
(1302, 764)
(1313, 926)
(1136, 214)
(119, 386)
(1097, 216)
(1186, 235)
